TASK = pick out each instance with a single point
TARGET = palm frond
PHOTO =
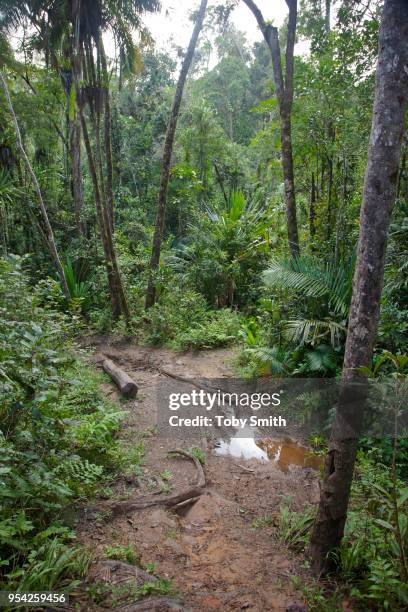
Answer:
(312, 279)
(321, 359)
(307, 331)
(277, 359)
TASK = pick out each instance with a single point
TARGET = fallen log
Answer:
(127, 385)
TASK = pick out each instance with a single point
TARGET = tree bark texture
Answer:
(380, 184)
(284, 94)
(167, 153)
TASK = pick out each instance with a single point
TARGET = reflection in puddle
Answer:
(283, 453)
(287, 452)
(244, 448)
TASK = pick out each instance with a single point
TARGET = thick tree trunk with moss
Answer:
(391, 96)
(284, 94)
(167, 153)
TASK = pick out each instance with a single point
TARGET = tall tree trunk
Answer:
(117, 293)
(107, 135)
(3, 227)
(75, 122)
(341, 207)
(116, 290)
(167, 152)
(76, 170)
(284, 94)
(312, 210)
(329, 197)
(47, 225)
(327, 16)
(391, 96)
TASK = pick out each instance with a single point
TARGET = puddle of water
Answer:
(241, 448)
(287, 452)
(283, 453)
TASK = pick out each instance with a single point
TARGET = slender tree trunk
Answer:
(327, 16)
(167, 152)
(329, 198)
(75, 122)
(3, 227)
(220, 182)
(312, 210)
(47, 225)
(341, 206)
(104, 211)
(116, 290)
(76, 170)
(289, 182)
(284, 94)
(107, 135)
(380, 184)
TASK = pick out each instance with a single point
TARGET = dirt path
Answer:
(212, 552)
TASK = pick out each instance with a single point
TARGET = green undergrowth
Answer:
(58, 441)
(371, 566)
(181, 320)
(114, 596)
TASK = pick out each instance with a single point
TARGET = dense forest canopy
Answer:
(223, 194)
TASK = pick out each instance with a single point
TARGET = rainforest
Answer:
(196, 198)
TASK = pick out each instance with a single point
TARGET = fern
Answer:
(79, 472)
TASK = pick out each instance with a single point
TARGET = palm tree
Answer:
(221, 243)
(70, 34)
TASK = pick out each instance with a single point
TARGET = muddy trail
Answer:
(222, 549)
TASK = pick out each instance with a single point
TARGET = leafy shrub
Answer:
(181, 320)
(227, 246)
(370, 556)
(174, 313)
(57, 434)
(53, 564)
(219, 328)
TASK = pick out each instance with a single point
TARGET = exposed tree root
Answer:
(169, 501)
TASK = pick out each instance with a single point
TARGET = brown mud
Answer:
(217, 554)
